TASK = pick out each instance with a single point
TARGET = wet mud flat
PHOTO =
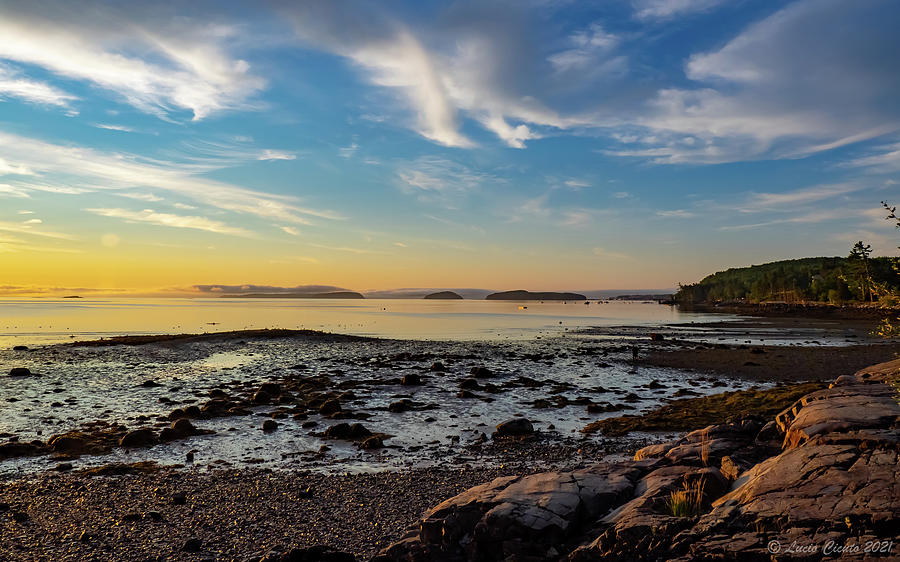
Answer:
(312, 401)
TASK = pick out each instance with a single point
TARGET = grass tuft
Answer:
(688, 501)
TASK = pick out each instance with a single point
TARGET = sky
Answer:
(538, 144)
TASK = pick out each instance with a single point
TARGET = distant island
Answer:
(330, 295)
(444, 295)
(530, 296)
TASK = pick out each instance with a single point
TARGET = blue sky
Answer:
(547, 144)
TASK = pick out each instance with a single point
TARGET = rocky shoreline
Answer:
(546, 498)
(821, 479)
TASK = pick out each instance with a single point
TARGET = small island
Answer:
(530, 296)
(329, 295)
(444, 295)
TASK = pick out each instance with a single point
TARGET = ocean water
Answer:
(40, 321)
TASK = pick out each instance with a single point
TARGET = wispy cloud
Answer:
(69, 169)
(755, 98)
(669, 9)
(348, 249)
(577, 218)
(149, 197)
(434, 179)
(348, 151)
(29, 229)
(113, 127)
(788, 199)
(7, 190)
(13, 84)
(290, 230)
(14, 169)
(576, 185)
(156, 64)
(270, 154)
(808, 217)
(456, 224)
(591, 51)
(438, 84)
(175, 221)
(884, 159)
(675, 213)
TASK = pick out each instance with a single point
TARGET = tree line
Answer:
(856, 278)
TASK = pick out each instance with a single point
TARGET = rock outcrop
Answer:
(822, 477)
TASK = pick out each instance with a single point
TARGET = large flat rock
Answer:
(517, 516)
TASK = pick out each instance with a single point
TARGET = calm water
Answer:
(35, 321)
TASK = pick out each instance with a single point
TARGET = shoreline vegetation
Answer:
(799, 284)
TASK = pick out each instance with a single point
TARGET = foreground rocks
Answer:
(823, 476)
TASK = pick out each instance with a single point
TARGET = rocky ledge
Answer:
(821, 479)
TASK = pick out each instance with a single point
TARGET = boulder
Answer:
(347, 431)
(371, 443)
(180, 428)
(859, 406)
(514, 428)
(138, 438)
(270, 388)
(411, 379)
(20, 372)
(330, 407)
(213, 408)
(13, 449)
(515, 517)
(469, 384)
(70, 444)
(400, 406)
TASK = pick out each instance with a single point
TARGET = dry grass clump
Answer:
(688, 501)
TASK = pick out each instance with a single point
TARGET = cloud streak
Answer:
(175, 221)
(70, 169)
(13, 84)
(111, 46)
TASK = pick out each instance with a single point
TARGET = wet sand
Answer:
(774, 363)
(819, 349)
